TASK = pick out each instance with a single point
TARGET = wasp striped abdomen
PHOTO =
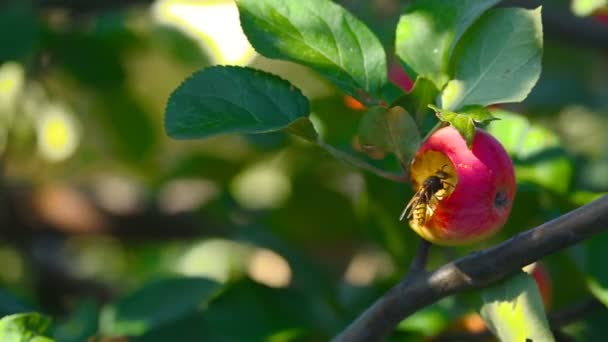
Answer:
(421, 207)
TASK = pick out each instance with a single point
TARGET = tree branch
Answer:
(418, 265)
(477, 270)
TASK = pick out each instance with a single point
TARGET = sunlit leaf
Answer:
(498, 60)
(24, 327)
(319, 34)
(429, 30)
(513, 310)
(220, 100)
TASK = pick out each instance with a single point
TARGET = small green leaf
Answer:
(464, 121)
(321, 35)
(513, 310)
(416, 102)
(159, 302)
(391, 130)
(427, 33)
(498, 59)
(586, 7)
(221, 100)
(479, 114)
(304, 129)
(596, 267)
(24, 327)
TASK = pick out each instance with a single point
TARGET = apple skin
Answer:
(538, 271)
(398, 76)
(480, 201)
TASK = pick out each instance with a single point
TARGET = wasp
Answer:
(420, 207)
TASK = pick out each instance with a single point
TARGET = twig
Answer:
(350, 159)
(477, 270)
(419, 263)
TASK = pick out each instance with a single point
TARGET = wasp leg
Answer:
(440, 195)
(449, 184)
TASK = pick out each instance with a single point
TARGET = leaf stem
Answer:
(354, 161)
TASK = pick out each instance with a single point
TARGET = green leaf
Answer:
(513, 310)
(304, 129)
(428, 32)
(321, 35)
(479, 114)
(220, 100)
(464, 121)
(24, 327)
(497, 60)
(248, 311)
(416, 102)
(391, 130)
(596, 267)
(586, 7)
(157, 303)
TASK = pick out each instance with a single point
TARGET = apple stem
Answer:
(418, 264)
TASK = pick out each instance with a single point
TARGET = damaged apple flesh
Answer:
(483, 179)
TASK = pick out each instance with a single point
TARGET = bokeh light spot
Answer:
(57, 134)
(214, 24)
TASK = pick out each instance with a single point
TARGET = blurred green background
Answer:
(115, 230)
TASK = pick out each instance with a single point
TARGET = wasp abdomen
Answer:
(419, 213)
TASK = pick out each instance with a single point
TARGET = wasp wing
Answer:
(413, 203)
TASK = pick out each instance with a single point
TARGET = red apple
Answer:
(480, 190)
(543, 281)
(398, 76)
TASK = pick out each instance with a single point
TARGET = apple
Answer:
(476, 201)
(543, 281)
